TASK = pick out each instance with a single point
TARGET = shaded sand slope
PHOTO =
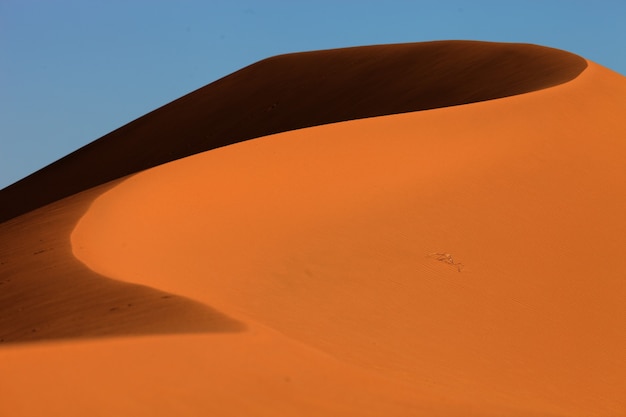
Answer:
(329, 235)
(46, 294)
(294, 91)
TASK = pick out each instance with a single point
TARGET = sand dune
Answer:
(456, 261)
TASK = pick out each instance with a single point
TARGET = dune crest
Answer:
(295, 91)
(326, 234)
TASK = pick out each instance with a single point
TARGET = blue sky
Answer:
(72, 71)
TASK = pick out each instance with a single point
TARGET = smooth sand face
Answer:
(326, 239)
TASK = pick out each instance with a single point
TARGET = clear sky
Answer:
(72, 71)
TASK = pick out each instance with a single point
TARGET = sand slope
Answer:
(457, 261)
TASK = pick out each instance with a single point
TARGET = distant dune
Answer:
(294, 91)
(419, 229)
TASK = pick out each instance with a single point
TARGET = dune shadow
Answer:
(93, 306)
(47, 294)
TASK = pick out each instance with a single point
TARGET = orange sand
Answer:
(326, 235)
(459, 261)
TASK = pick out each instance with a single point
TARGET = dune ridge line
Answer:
(295, 91)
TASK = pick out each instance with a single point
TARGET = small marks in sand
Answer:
(41, 251)
(447, 258)
(119, 308)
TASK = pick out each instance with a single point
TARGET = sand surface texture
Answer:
(459, 259)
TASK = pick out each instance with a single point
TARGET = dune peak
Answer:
(295, 91)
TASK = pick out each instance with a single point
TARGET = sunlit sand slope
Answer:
(294, 91)
(473, 254)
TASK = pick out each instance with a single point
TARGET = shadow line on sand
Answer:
(47, 294)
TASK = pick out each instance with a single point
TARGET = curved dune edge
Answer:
(326, 235)
(46, 294)
(295, 91)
